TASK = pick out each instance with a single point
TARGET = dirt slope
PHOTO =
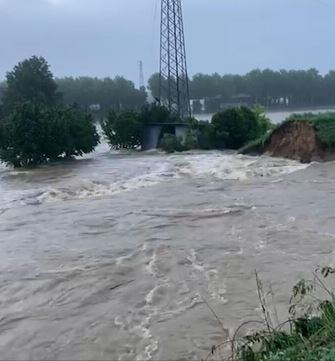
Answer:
(295, 140)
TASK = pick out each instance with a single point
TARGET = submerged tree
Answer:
(30, 81)
(34, 134)
(123, 130)
(235, 127)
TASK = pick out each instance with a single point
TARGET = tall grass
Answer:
(307, 335)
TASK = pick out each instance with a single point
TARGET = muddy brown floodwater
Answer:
(114, 256)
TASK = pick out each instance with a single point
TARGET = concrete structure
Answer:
(154, 132)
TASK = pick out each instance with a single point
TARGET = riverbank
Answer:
(305, 138)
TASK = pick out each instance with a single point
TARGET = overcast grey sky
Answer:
(109, 37)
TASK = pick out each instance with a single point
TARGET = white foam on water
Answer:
(154, 169)
(79, 189)
(151, 344)
(187, 304)
(236, 167)
(216, 287)
(149, 297)
(194, 261)
(151, 266)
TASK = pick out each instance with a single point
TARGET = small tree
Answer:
(123, 130)
(170, 144)
(235, 127)
(30, 81)
(37, 134)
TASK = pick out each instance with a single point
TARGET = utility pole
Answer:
(141, 78)
(174, 85)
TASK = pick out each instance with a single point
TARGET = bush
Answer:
(263, 122)
(35, 134)
(203, 133)
(170, 144)
(123, 130)
(235, 127)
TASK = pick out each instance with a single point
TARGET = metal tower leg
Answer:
(174, 85)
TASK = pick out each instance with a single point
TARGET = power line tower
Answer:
(174, 86)
(141, 78)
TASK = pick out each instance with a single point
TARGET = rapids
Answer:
(116, 256)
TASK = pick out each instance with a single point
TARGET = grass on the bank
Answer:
(324, 125)
(308, 334)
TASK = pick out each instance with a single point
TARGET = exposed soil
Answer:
(295, 140)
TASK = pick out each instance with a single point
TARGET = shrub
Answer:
(203, 132)
(263, 122)
(35, 134)
(170, 144)
(235, 127)
(123, 130)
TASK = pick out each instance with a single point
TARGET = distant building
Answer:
(95, 107)
(238, 100)
(197, 106)
(219, 103)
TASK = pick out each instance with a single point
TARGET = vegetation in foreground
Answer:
(229, 129)
(35, 128)
(308, 334)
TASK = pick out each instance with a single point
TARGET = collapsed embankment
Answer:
(302, 140)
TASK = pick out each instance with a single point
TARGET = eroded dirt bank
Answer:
(296, 140)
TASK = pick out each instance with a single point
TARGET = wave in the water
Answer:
(236, 167)
(155, 169)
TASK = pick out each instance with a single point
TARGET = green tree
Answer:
(35, 134)
(264, 122)
(154, 84)
(30, 81)
(123, 130)
(235, 127)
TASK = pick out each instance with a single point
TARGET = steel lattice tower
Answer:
(174, 86)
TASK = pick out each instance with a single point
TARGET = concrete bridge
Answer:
(153, 132)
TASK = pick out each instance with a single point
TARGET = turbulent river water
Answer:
(116, 256)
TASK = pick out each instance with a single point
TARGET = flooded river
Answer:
(115, 256)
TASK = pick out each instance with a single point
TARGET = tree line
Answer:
(108, 94)
(269, 88)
